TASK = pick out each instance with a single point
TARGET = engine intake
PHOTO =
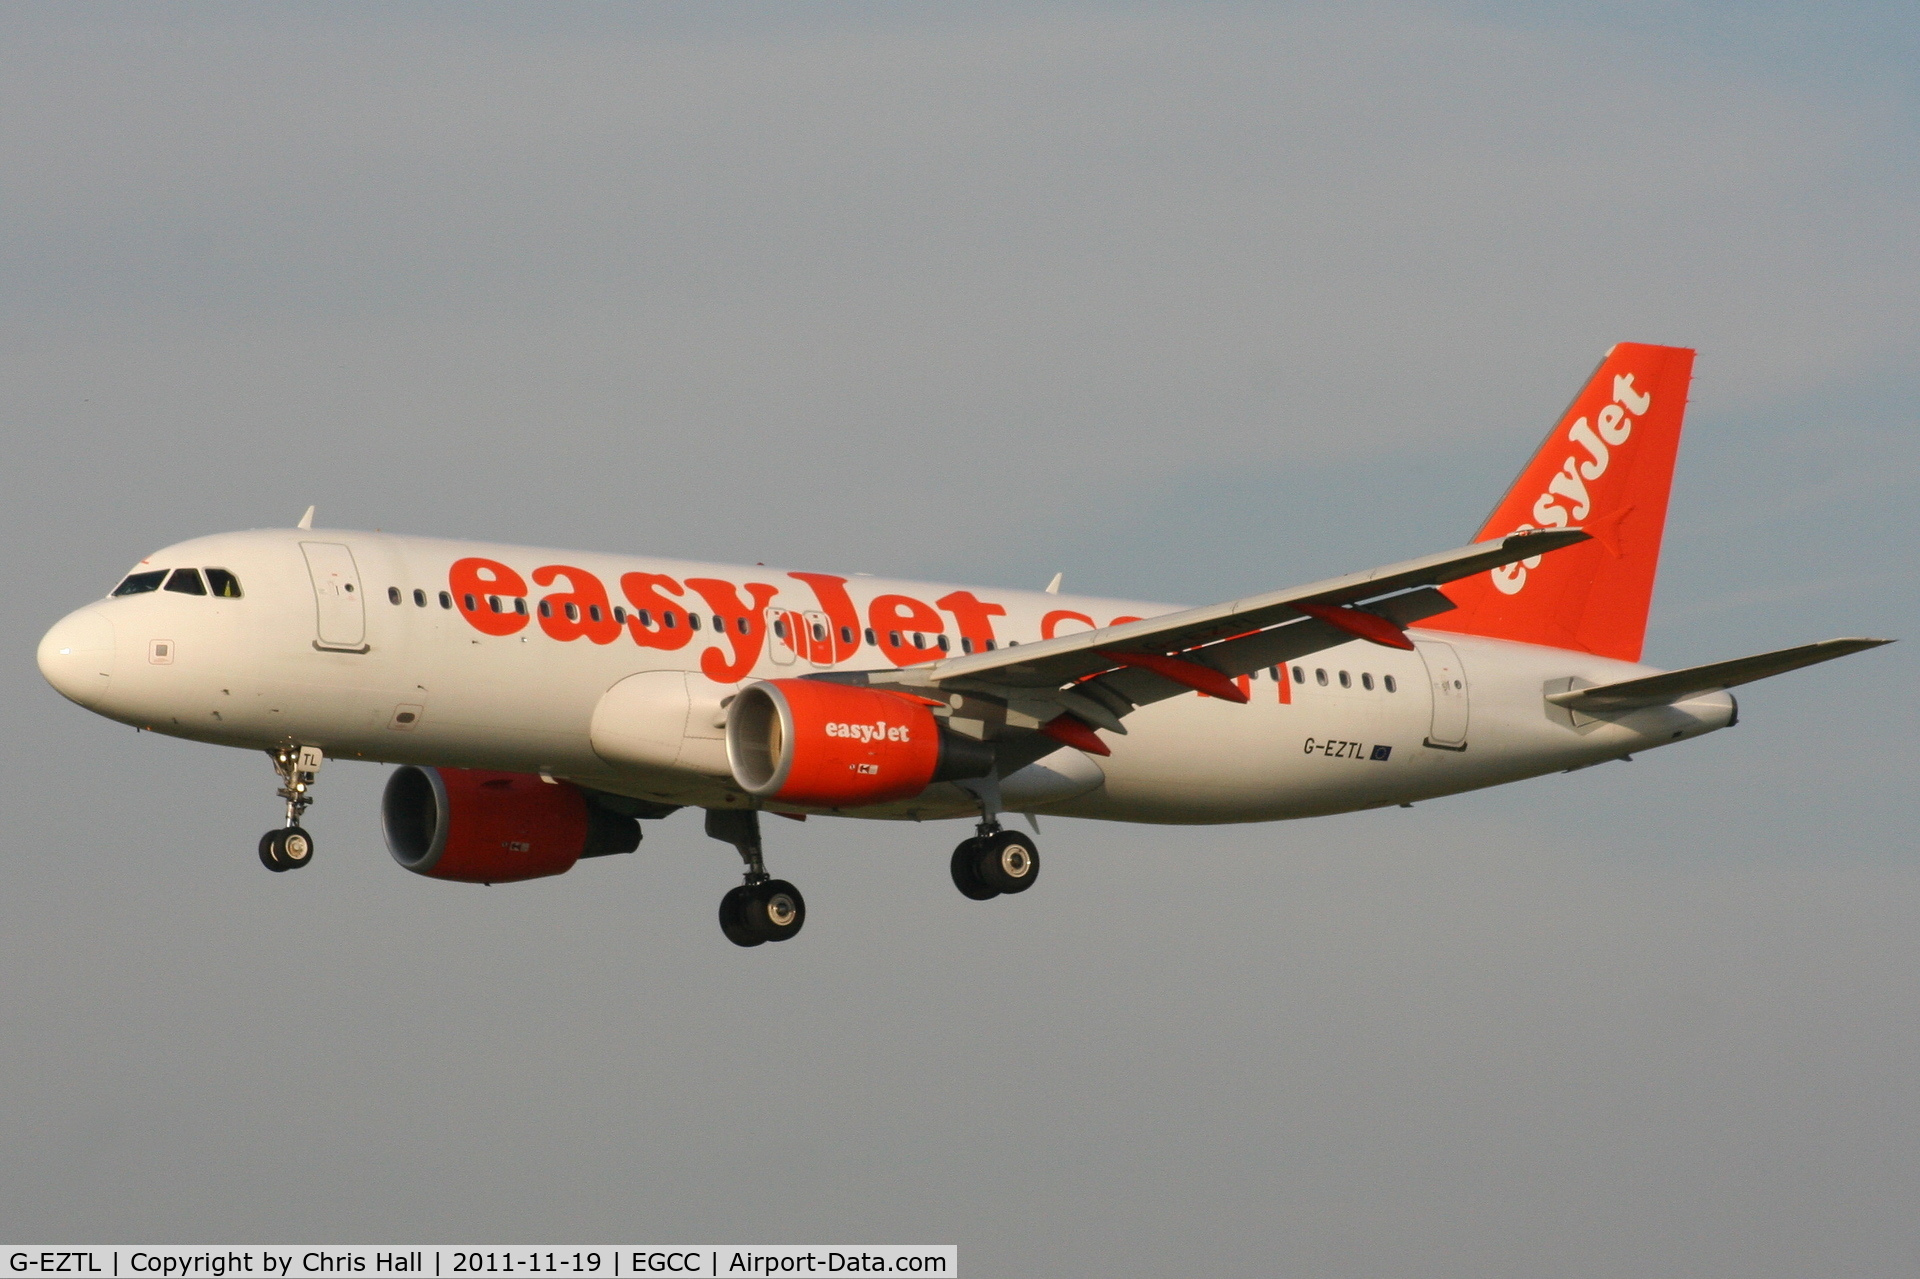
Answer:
(832, 745)
(483, 827)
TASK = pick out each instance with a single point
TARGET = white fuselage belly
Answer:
(429, 688)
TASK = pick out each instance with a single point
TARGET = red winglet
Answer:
(1358, 622)
(1069, 731)
(1193, 675)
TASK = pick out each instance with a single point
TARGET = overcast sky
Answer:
(1182, 300)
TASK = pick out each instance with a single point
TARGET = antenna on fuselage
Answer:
(1053, 587)
(306, 521)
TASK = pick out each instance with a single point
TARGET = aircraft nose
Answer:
(76, 656)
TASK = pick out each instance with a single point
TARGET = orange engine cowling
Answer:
(494, 828)
(830, 745)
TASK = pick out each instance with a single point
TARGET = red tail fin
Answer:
(1607, 468)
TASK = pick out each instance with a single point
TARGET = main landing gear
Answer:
(762, 909)
(995, 861)
(292, 848)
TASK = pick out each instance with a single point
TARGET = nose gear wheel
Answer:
(292, 847)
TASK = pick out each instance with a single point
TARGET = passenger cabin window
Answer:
(573, 612)
(593, 612)
(620, 615)
(1346, 680)
(1299, 675)
(446, 600)
(419, 599)
(520, 605)
(941, 640)
(846, 635)
(393, 595)
(1388, 681)
(1320, 677)
(870, 638)
(141, 583)
(966, 645)
(1366, 681)
(223, 584)
(693, 621)
(780, 627)
(187, 582)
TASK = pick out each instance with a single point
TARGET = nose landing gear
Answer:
(292, 847)
(762, 909)
(993, 862)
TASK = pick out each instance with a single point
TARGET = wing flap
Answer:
(1674, 686)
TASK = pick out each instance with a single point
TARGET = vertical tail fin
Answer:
(1606, 467)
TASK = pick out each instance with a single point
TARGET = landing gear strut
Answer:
(995, 861)
(292, 848)
(762, 909)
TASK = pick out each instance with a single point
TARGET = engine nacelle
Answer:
(830, 745)
(494, 828)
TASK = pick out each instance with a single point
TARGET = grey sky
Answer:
(1182, 300)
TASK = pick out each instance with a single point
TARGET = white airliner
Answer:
(543, 703)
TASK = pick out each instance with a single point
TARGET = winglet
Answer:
(306, 521)
(1053, 587)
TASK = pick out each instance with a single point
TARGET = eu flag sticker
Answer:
(1381, 752)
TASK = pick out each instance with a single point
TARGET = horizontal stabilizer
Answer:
(1675, 686)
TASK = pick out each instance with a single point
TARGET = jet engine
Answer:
(819, 743)
(494, 828)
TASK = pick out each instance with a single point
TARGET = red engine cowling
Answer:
(494, 828)
(831, 745)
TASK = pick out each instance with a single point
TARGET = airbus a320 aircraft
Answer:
(543, 703)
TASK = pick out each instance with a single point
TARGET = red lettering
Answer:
(473, 580)
(895, 618)
(1059, 615)
(1286, 685)
(838, 606)
(972, 617)
(664, 625)
(746, 626)
(587, 600)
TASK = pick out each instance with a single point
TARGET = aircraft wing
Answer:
(1674, 686)
(1051, 663)
(1096, 677)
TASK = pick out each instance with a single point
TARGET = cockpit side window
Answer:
(141, 583)
(223, 583)
(187, 582)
